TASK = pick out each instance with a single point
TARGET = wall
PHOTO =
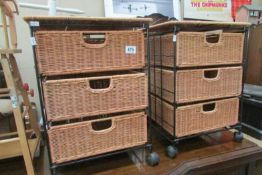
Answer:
(25, 60)
(257, 2)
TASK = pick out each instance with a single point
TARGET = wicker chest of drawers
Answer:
(93, 89)
(196, 76)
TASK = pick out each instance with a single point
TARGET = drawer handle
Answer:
(94, 40)
(213, 38)
(100, 85)
(211, 74)
(209, 108)
(102, 126)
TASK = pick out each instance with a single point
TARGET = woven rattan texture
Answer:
(192, 119)
(167, 83)
(166, 120)
(79, 140)
(191, 85)
(66, 52)
(164, 51)
(73, 98)
(194, 50)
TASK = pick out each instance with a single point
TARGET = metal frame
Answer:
(172, 138)
(53, 166)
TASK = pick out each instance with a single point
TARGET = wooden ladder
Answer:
(26, 142)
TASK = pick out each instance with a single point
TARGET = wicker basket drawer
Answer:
(193, 119)
(199, 84)
(204, 84)
(73, 98)
(74, 141)
(209, 48)
(194, 49)
(68, 52)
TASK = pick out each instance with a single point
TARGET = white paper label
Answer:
(34, 23)
(174, 38)
(130, 49)
(33, 41)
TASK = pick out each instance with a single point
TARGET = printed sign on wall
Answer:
(218, 10)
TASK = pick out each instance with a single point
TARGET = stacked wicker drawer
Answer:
(94, 103)
(202, 92)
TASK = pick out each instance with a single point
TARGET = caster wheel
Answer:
(153, 159)
(171, 151)
(238, 136)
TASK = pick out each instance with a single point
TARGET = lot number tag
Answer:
(130, 49)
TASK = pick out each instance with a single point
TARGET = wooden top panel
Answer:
(88, 21)
(169, 25)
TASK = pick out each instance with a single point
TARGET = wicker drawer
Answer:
(73, 98)
(193, 119)
(194, 49)
(74, 141)
(69, 52)
(197, 49)
(199, 84)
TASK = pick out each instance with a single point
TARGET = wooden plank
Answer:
(86, 19)
(13, 35)
(89, 22)
(1, 25)
(13, 134)
(17, 115)
(11, 147)
(4, 23)
(200, 23)
(4, 95)
(10, 51)
(27, 103)
(4, 90)
(25, 112)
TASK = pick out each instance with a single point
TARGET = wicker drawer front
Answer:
(73, 98)
(79, 140)
(195, 85)
(194, 119)
(68, 52)
(193, 49)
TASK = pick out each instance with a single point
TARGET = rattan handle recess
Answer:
(102, 131)
(104, 90)
(203, 111)
(219, 42)
(216, 78)
(94, 46)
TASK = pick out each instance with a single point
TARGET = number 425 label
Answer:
(130, 49)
